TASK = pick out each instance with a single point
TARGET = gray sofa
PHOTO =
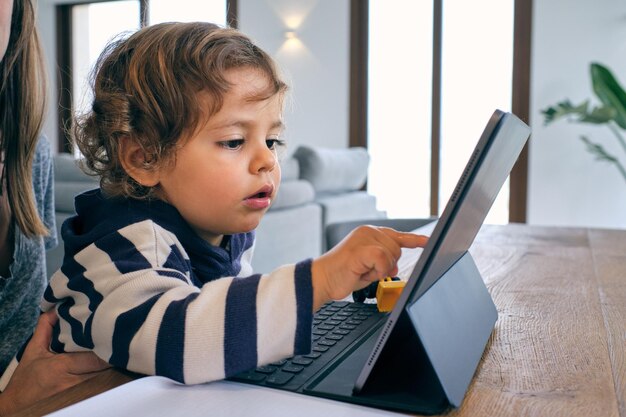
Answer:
(319, 187)
(69, 181)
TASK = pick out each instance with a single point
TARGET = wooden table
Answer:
(558, 348)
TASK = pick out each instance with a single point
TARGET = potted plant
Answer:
(611, 112)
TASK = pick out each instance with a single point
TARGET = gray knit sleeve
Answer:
(43, 185)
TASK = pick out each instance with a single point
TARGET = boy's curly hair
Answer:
(146, 87)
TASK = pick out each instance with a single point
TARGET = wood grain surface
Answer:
(558, 347)
(549, 352)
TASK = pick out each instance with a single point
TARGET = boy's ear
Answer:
(134, 161)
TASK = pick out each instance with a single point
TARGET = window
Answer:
(400, 90)
(187, 11)
(477, 69)
(94, 25)
(476, 61)
(86, 28)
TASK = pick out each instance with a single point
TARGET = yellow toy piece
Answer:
(388, 292)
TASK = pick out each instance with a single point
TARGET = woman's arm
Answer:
(42, 373)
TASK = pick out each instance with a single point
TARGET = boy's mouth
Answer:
(261, 199)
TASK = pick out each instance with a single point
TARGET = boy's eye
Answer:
(232, 144)
(274, 144)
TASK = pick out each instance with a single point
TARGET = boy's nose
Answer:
(264, 160)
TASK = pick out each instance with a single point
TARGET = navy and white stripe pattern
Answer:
(152, 297)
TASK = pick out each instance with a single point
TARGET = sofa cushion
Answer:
(333, 170)
(64, 193)
(344, 207)
(69, 181)
(66, 169)
(290, 170)
(293, 193)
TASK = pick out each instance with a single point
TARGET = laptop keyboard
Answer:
(335, 326)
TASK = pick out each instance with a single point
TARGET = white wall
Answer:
(567, 186)
(316, 67)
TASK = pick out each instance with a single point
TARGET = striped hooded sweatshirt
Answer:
(143, 291)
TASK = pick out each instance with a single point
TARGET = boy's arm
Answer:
(130, 300)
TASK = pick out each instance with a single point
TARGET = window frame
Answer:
(359, 34)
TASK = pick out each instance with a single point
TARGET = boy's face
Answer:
(226, 175)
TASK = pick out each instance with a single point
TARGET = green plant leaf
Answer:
(601, 154)
(599, 115)
(579, 113)
(609, 91)
(597, 150)
(564, 109)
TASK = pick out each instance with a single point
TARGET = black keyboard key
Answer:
(294, 369)
(334, 329)
(302, 361)
(279, 363)
(279, 378)
(341, 304)
(250, 377)
(266, 369)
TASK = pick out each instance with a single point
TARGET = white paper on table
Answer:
(158, 396)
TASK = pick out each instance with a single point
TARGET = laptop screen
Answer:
(487, 169)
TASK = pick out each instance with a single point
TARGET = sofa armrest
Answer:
(69, 181)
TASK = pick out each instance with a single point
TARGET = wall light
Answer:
(292, 42)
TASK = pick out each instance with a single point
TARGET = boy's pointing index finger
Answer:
(405, 239)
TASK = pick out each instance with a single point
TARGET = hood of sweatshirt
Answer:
(98, 216)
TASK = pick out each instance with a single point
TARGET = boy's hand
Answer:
(367, 254)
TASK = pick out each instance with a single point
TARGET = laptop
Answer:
(421, 356)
